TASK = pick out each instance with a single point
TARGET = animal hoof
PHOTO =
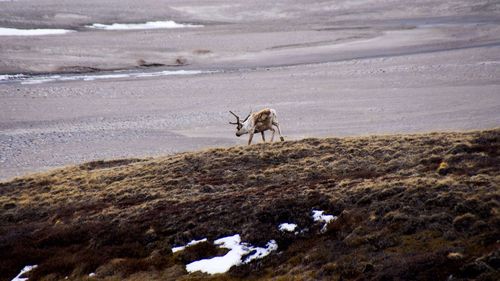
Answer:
(282, 138)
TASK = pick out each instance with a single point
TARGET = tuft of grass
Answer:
(443, 168)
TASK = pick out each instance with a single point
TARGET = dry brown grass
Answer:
(410, 207)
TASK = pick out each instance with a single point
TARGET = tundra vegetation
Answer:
(409, 207)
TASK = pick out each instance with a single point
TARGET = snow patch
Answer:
(194, 242)
(289, 227)
(319, 216)
(26, 269)
(146, 25)
(260, 252)
(488, 62)
(38, 79)
(233, 257)
(12, 76)
(4, 31)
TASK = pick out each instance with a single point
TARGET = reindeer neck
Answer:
(249, 123)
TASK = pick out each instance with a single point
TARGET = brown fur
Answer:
(262, 120)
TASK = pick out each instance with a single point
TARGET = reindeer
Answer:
(257, 122)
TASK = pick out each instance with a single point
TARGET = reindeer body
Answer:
(258, 122)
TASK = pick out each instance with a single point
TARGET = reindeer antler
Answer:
(237, 118)
(247, 116)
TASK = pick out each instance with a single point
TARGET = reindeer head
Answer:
(240, 129)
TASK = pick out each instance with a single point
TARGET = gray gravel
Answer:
(340, 68)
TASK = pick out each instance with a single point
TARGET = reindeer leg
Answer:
(279, 130)
(250, 137)
(263, 137)
(272, 135)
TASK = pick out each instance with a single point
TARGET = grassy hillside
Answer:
(422, 207)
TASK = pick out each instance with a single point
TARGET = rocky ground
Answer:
(329, 69)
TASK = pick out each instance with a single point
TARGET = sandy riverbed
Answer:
(335, 68)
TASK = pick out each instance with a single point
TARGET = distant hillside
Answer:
(408, 207)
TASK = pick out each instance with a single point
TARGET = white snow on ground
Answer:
(4, 31)
(26, 269)
(146, 25)
(12, 76)
(261, 252)
(320, 217)
(233, 257)
(194, 242)
(25, 79)
(289, 227)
